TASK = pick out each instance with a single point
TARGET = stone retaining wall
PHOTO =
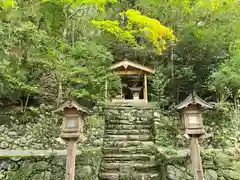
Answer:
(218, 164)
(44, 165)
(169, 130)
(40, 129)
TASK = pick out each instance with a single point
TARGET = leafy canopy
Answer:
(153, 32)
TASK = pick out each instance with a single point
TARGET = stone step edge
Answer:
(129, 137)
(126, 155)
(124, 131)
(126, 126)
(137, 147)
(138, 173)
(129, 164)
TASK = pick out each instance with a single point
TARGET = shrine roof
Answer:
(126, 64)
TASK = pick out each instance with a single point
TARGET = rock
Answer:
(42, 165)
(16, 159)
(5, 165)
(28, 137)
(87, 170)
(12, 117)
(156, 114)
(14, 146)
(2, 128)
(12, 133)
(2, 176)
(211, 174)
(174, 173)
(17, 142)
(23, 140)
(4, 145)
(38, 146)
(221, 178)
(60, 140)
(222, 160)
(98, 142)
(229, 174)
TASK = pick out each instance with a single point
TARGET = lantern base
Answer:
(195, 131)
(67, 136)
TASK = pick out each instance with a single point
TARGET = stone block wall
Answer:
(220, 157)
(50, 167)
(169, 130)
(218, 164)
(40, 129)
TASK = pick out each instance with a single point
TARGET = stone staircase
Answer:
(128, 152)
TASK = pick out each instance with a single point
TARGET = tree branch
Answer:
(73, 14)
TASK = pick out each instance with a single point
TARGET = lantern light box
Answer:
(191, 109)
(73, 121)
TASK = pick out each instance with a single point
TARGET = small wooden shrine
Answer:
(134, 82)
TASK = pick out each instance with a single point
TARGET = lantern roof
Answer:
(72, 104)
(193, 98)
(128, 65)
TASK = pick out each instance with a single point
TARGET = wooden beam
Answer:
(129, 72)
(145, 93)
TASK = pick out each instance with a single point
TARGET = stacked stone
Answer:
(218, 164)
(47, 165)
(27, 136)
(129, 151)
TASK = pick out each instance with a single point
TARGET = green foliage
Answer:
(159, 83)
(37, 60)
(138, 25)
(5, 4)
(52, 50)
(96, 59)
(225, 81)
(75, 3)
(206, 33)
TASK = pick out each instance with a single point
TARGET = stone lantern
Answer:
(72, 131)
(191, 113)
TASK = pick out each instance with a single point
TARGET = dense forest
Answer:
(52, 50)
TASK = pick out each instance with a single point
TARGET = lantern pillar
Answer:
(71, 158)
(197, 169)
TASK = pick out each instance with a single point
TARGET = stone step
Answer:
(127, 131)
(127, 126)
(127, 143)
(151, 150)
(128, 157)
(130, 122)
(129, 165)
(127, 137)
(129, 176)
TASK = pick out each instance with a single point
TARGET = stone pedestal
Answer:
(136, 91)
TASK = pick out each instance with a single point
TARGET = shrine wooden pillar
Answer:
(145, 90)
(106, 89)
